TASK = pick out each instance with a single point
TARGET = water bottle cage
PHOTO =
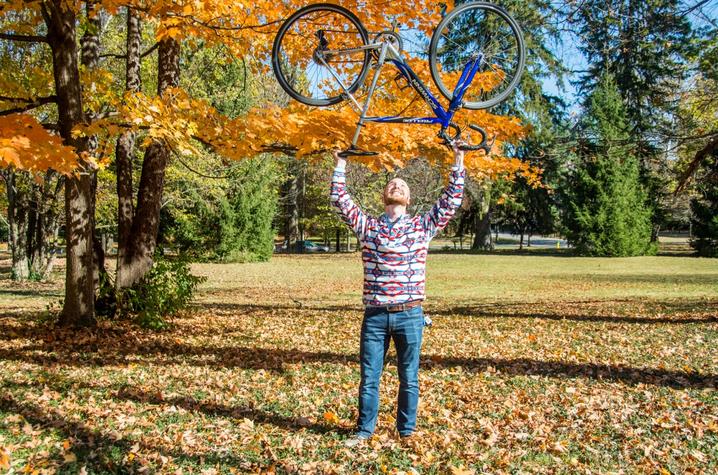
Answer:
(401, 81)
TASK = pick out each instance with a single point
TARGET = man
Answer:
(394, 248)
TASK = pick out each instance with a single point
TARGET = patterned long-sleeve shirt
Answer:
(394, 254)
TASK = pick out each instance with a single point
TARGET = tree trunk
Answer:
(79, 304)
(302, 202)
(482, 220)
(482, 234)
(33, 222)
(137, 259)
(291, 205)
(90, 58)
(17, 222)
(125, 149)
(43, 239)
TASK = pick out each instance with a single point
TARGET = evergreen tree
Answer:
(644, 45)
(530, 209)
(607, 213)
(704, 220)
(246, 212)
(232, 223)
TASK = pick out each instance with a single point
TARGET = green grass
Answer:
(535, 364)
(469, 279)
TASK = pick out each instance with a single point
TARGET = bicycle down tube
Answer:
(388, 52)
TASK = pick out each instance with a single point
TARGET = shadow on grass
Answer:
(482, 312)
(32, 292)
(129, 393)
(677, 279)
(545, 252)
(213, 409)
(507, 311)
(598, 371)
(99, 451)
(172, 352)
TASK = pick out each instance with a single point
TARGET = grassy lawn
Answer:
(535, 364)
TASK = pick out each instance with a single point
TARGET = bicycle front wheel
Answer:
(469, 31)
(319, 49)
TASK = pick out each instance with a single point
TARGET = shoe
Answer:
(356, 441)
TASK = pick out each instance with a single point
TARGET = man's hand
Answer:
(340, 162)
(458, 153)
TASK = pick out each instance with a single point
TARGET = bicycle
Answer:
(475, 38)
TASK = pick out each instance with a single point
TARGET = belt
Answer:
(399, 307)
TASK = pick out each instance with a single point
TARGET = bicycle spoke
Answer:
(320, 46)
(477, 29)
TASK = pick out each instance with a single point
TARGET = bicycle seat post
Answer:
(360, 124)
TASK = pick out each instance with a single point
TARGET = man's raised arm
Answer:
(445, 207)
(350, 213)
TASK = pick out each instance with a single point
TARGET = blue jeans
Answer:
(378, 328)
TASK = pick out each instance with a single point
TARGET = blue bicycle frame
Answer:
(441, 116)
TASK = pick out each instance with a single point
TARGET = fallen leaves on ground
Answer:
(249, 385)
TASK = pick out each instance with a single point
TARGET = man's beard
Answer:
(396, 200)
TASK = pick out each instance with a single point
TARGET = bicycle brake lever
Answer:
(486, 147)
(448, 139)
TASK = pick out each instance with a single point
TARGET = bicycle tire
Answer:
(466, 11)
(277, 48)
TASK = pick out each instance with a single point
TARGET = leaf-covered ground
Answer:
(535, 364)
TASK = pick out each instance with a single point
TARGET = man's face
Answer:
(396, 193)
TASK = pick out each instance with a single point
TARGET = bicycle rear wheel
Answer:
(313, 40)
(473, 29)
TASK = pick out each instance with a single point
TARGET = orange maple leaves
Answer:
(25, 144)
(247, 28)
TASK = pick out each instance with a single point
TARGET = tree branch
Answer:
(711, 148)
(123, 56)
(25, 38)
(113, 55)
(45, 14)
(152, 48)
(29, 104)
(693, 8)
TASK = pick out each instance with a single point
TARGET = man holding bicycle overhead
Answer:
(394, 249)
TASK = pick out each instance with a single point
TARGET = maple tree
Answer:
(174, 122)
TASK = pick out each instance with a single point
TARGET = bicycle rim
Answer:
(473, 29)
(310, 42)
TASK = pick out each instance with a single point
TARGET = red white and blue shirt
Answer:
(394, 253)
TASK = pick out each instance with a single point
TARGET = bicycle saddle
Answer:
(356, 152)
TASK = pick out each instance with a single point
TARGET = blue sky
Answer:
(572, 59)
(706, 16)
